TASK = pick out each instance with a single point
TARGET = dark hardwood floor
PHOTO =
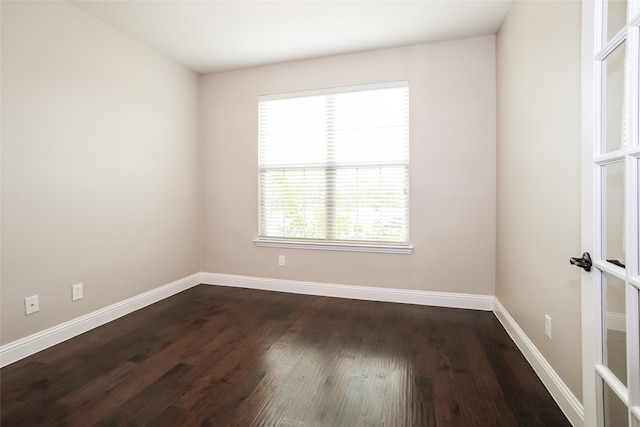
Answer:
(215, 356)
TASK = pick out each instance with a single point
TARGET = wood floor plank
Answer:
(154, 399)
(215, 356)
(449, 366)
(171, 416)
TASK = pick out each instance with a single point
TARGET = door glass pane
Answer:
(615, 411)
(616, 17)
(614, 323)
(613, 213)
(614, 135)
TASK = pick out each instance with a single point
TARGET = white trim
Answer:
(333, 90)
(440, 299)
(563, 396)
(573, 409)
(616, 321)
(614, 383)
(19, 349)
(335, 246)
(27, 346)
(590, 130)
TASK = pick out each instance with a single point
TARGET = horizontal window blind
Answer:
(334, 165)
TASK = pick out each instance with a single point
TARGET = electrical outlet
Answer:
(31, 305)
(76, 292)
(547, 325)
(281, 261)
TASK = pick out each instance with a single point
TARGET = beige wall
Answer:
(99, 166)
(452, 101)
(538, 177)
(100, 163)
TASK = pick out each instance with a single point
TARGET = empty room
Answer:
(320, 213)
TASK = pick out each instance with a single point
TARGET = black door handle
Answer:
(616, 262)
(584, 262)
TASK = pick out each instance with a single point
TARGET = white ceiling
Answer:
(211, 36)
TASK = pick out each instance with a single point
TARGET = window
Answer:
(334, 167)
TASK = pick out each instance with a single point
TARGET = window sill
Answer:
(335, 246)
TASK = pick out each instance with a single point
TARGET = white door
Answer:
(611, 221)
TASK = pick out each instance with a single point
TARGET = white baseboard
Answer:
(440, 299)
(568, 403)
(563, 396)
(24, 347)
(616, 321)
(32, 344)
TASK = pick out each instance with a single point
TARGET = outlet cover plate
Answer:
(76, 292)
(31, 305)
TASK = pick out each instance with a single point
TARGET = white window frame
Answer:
(330, 245)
